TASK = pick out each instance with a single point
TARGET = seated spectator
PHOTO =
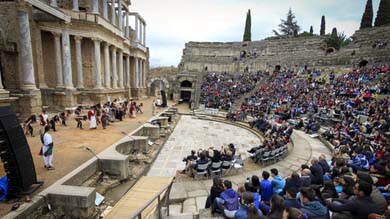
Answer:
(377, 197)
(256, 197)
(306, 177)
(278, 182)
(310, 206)
(292, 213)
(256, 183)
(291, 200)
(317, 172)
(329, 190)
(227, 203)
(359, 161)
(248, 209)
(266, 187)
(358, 208)
(189, 159)
(324, 164)
(293, 181)
(202, 160)
(215, 191)
(277, 207)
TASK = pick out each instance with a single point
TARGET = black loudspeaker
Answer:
(164, 99)
(16, 155)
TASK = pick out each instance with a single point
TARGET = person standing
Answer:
(47, 148)
(44, 120)
(92, 118)
(153, 107)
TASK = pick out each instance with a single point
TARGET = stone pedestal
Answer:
(29, 103)
(136, 93)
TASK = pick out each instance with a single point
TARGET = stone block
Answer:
(152, 131)
(72, 196)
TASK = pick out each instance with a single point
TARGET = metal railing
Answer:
(167, 189)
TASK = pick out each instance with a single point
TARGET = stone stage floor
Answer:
(194, 134)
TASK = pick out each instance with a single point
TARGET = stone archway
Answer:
(156, 84)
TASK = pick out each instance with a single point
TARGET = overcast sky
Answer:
(172, 23)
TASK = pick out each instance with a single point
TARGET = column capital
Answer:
(108, 44)
(78, 38)
(56, 34)
(96, 39)
(113, 48)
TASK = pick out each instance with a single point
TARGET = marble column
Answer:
(66, 57)
(105, 12)
(144, 34)
(120, 73)
(136, 72)
(136, 29)
(114, 69)
(95, 6)
(26, 51)
(53, 3)
(107, 65)
(127, 24)
(113, 12)
(75, 5)
(127, 84)
(140, 31)
(58, 57)
(143, 73)
(79, 62)
(98, 71)
(120, 15)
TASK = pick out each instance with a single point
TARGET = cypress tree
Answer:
(367, 16)
(247, 33)
(311, 30)
(322, 29)
(334, 32)
(383, 15)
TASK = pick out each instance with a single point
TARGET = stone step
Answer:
(206, 214)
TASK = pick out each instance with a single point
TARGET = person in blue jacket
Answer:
(278, 182)
(266, 188)
(248, 209)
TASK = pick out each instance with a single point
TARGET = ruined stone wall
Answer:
(300, 51)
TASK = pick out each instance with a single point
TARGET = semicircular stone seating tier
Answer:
(188, 198)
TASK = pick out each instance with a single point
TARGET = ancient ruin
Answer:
(60, 54)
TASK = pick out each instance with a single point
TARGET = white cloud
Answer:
(172, 23)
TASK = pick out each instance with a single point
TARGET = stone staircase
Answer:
(188, 198)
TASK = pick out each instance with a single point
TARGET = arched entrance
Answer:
(363, 63)
(156, 85)
(185, 95)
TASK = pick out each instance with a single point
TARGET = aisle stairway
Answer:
(143, 191)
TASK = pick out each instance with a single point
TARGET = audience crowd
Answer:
(351, 112)
(222, 90)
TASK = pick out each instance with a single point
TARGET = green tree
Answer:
(322, 29)
(383, 15)
(248, 24)
(334, 32)
(311, 30)
(288, 27)
(337, 40)
(367, 16)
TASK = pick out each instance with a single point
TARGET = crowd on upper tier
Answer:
(222, 90)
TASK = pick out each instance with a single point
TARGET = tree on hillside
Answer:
(337, 40)
(334, 32)
(322, 29)
(248, 24)
(367, 16)
(288, 27)
(311, 30)
(383, 15)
